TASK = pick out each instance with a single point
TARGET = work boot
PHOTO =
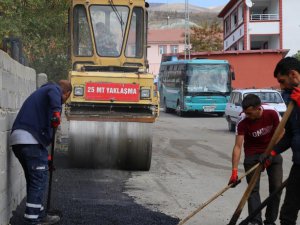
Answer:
(49, 219)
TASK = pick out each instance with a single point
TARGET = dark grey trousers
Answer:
(291, 205)
(274, 172)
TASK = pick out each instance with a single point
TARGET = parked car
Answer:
(234, 106)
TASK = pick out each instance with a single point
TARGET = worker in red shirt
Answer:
(255, 129)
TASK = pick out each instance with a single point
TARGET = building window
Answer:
(241, 44)
(174, 48)
(234, 47)
(227, 26)
(162, 49)
(241, 13)
(234, 20)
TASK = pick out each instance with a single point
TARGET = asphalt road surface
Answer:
(191, 162)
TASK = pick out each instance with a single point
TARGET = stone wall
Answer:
(17, 82)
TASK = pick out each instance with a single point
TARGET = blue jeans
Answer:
(34, 160)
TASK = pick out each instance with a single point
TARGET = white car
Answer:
(234, 106)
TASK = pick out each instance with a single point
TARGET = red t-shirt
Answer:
(258, 133)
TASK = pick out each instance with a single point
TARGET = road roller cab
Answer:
(114, 100)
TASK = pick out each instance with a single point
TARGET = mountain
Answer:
(180, 7)
(170, 24)
(156, 4)
(216, 9)
(172, 16)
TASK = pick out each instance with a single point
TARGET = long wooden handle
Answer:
(263, 204)
(202, 206)
(256, 174)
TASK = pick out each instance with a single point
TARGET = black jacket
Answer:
(291, 138)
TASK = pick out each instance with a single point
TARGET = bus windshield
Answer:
(207, 78)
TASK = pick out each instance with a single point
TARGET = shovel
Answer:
(51, 168)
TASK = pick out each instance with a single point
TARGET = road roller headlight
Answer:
(145, 93)
(78, 91)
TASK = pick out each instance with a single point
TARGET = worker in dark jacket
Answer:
(287, 73)
(31, 134)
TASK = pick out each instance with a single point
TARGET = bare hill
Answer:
(216, 9)
(180, 7)
(170, 16)
(177, 7)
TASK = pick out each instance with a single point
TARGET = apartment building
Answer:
(162, 42)
(261, 24)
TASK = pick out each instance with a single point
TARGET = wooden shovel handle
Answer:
(202, 206)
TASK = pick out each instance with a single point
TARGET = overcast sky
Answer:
(202, 3)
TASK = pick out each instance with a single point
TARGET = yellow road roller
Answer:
(114, 102)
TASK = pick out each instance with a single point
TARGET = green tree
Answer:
(41, 25)
(297, 55)
(207, 37)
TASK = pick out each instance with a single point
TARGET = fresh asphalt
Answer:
(94, 197)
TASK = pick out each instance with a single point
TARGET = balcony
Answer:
(264, 10)
(271, 41)
(263, 17)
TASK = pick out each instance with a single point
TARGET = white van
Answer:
(234, 106)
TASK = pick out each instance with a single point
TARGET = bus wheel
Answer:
(220, 114)
(166, 109)
(179, 112)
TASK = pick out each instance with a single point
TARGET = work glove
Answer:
(55, 120)
(296, 96)
(50, 163)
(234, 179)
(266, 160)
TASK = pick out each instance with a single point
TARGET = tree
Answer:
(207, 37)
(41, 25)
(297, 55)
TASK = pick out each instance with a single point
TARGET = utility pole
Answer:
(187, 36)
(168, 17)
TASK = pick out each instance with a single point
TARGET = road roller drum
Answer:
(122, 145)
